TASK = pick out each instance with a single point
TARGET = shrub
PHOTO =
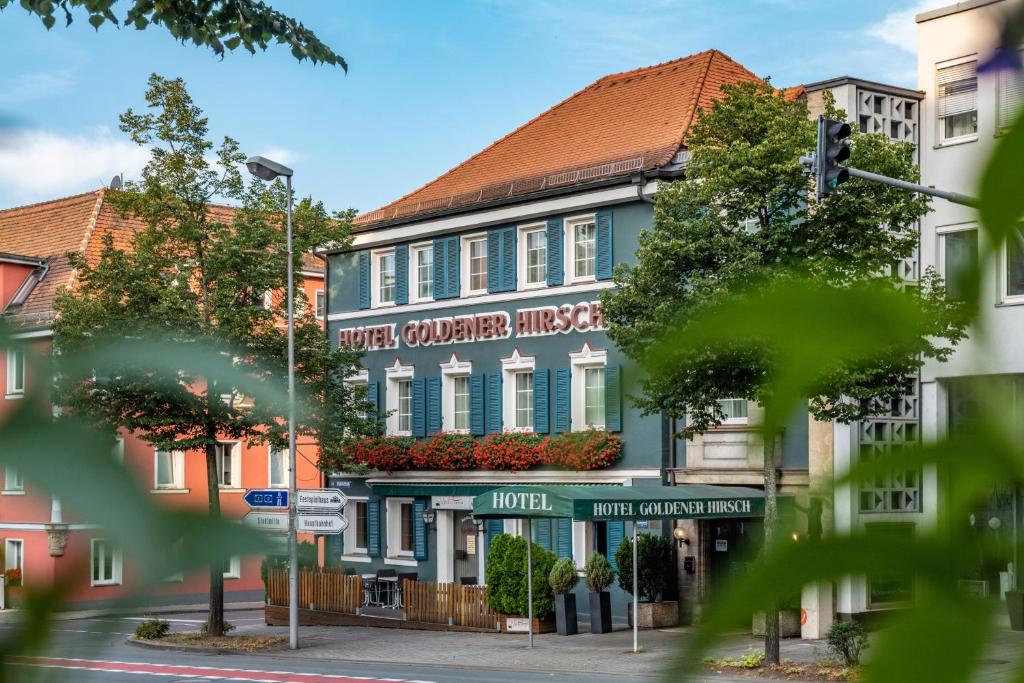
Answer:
(205, 628)
(563, 576)
(12, 577)
(446, 451)
(153, 629)
(654, 554)
(384, 453)
(506, 577)
(511, 451)
(847, 640)
(599, 574)
(593, 449)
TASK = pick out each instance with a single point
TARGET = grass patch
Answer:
(751, 665)
(239, 643)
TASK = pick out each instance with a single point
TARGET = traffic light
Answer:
(833, 148)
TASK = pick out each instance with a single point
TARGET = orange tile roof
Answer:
(621, 124)
(50, 230)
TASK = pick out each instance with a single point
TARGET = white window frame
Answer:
(353, 552)
(15, 379)
(320, 304)
(449, 371)
(940, 244)
(940, 129)
(14, 482)
(587, 357)
(569, 248)
(1001, 123)
(467, 277)
(270, 467)
(375, 277)
(234, 568)
(736, 420)
(118, 450)
(178, 466)
(395, 374)
(510, 367)
(414, 272)
(361, 378)
(20, 542)
(522, 266)
(236, 466)
(394, 541)
(1004, 280)
(116, 563)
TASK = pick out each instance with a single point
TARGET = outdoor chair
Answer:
(467, 581)
(387, 581)
(402, 578)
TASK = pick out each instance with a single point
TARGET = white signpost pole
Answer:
(529, 578)
(636, 601)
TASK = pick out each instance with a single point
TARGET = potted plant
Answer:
(654, 555)
(599, 577)
(563, 580)
(507, 584)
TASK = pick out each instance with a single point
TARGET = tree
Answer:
(743, 220)
(198, 275)
(217, 24)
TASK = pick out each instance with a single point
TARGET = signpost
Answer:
(266, 498)
(330, 524)
(320, 500)
(267, 521)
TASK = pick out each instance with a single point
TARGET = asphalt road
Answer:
(93, 650)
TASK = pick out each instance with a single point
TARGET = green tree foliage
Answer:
(563, 577)
(197, 275)
(507, 582)
(654, 555)
(743, 220)
(599, 573)
(217, 24)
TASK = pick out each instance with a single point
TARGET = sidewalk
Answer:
(14, 614)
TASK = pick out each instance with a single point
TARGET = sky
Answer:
(428, 85)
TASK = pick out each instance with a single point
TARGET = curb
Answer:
(14, 615)
(189, 649)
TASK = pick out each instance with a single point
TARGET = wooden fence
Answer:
(331, 590)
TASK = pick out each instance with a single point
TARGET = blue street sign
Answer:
(266, 498)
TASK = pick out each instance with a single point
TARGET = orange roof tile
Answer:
(623, 123)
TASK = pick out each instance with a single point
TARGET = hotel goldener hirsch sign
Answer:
(490, 326)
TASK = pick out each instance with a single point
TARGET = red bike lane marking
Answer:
(255, 675)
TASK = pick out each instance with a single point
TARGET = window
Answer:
(399, 398)
(1011, 94)
(321, 304)
(584, 249)
(361, 526)
(355, 536)
(386, 278)
(735, 410)
(14, 556)
(890, 589)
(959, 255)
(405, 405)
(423, 272)
(400, 527)
(15, 373)
(593, 397)
(13, 480)
(534, 256)
(460, 390)
(278, 478)
(118, 450)
(169, 470)
(233, 567)
(477, 255)
(228, 465)
(1013, 269)
(957, 102)
(406, 530)
(524, 400)
(106, 563)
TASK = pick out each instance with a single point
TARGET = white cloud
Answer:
(281, 155)
(898, 28)
(37, 165)
(36, 85)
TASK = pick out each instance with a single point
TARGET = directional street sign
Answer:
(267, 521)
(327, 525)
(320, 500)
(266, 498)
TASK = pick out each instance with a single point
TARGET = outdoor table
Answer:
(389, 584)
(371, 588)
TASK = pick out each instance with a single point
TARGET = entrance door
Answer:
(728, 546)
(465, 544)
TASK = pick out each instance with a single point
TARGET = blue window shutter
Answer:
(476, 405)
(542, 533)
(494, 416)
(419, 530)
(494, 252)
(419, 408)
(563, 547)
(541, 422)
(451, 267)
(613, 398)
(495, 528)
(402, 274)
(440, 281)
(603, 246)
(563, 412)
(373, 396)
(363, 280)
(508, 260)
(614, 533)
(433, 405)
(373, 528)
(556, 260)
(333, 550)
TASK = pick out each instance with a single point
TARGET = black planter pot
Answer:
(565, 614)
(1015, 606)
(601, 612)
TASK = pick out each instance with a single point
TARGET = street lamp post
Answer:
(266, 169)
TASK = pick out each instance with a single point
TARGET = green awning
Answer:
(689, 501)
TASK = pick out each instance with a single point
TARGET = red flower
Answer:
(593, 449)
(445, 451)
(511, 451)
(385, 453)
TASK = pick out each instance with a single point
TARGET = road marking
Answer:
(190, 672)
(176, 621)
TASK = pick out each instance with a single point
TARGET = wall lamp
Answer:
(428, 516)
(679, 533)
